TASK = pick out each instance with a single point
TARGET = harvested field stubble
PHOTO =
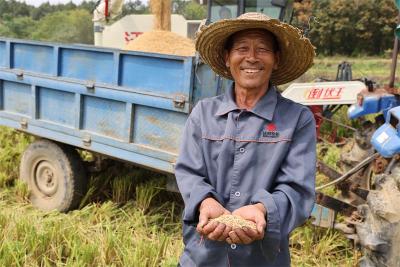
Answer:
(162, 42)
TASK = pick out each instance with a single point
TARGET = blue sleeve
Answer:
(190, 170)
(290, 203)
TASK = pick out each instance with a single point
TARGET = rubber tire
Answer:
(67, 168)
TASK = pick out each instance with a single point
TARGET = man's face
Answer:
(252, 59)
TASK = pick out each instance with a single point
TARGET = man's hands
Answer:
(255, 213)
(210, 209)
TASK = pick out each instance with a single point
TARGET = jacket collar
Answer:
(264, 108)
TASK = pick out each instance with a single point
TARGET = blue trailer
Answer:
(126, 105)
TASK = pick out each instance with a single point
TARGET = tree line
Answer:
(345, 27)
(69, 23)
(349, 27)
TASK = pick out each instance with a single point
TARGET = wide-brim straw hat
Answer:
(296, 51)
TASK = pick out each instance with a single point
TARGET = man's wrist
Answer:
(260, 206)
(205, 201)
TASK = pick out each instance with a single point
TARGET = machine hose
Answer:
(348, 174)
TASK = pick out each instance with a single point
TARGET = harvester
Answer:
(370, 189)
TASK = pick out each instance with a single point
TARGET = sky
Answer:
(38, 2)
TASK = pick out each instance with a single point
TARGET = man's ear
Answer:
(277, 60)
(226, 56)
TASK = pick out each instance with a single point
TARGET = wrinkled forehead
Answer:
(260, 34)
(253, 34)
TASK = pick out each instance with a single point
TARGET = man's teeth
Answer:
(251, 70)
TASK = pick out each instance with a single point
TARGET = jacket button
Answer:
(237, 194)
(233, 246)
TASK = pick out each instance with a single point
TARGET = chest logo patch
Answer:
(270, 131)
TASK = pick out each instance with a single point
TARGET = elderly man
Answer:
(249, 152)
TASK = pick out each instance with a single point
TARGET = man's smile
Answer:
(251, 70)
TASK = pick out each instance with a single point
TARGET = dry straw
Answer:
(296, 51)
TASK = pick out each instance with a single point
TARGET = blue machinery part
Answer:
(386, 138)
(372, 103)
(323, 217)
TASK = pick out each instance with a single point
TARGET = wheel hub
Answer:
(45, 178)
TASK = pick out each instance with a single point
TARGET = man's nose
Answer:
(252, 54)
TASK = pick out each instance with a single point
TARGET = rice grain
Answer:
(162, 42)
(234, 221)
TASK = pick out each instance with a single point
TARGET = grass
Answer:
(374, 68)
(12, 143)
(312, 246)
(124, 222)
(126, 219)
(103, 234)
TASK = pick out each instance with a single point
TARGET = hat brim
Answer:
(296, 51)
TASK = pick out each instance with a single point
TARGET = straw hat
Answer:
(296, 51)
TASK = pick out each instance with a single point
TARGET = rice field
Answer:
(128, 218)
(376, 69)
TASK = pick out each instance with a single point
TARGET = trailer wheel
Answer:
(55, 175)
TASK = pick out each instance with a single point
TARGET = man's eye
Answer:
(263, 50)
(241, 48)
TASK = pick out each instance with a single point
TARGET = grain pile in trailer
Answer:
(163, 42)
(161, 39)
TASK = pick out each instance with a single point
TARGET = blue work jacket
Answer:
(239, 157)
